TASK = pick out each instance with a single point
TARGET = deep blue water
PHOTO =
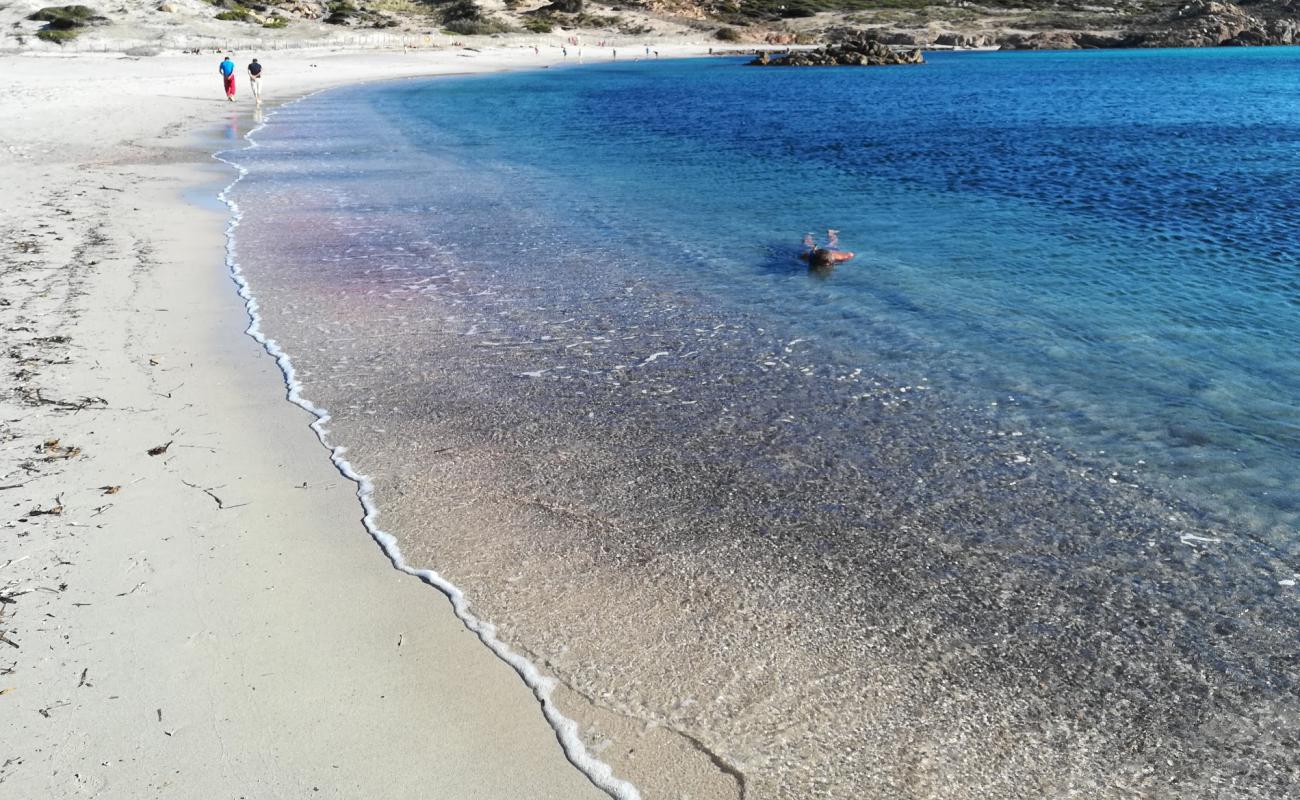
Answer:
(1107, 237)
(1006, 506)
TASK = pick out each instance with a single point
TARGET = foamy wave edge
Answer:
(542, 686)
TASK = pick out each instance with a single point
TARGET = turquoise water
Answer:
(1009, 502)
(1111, 240)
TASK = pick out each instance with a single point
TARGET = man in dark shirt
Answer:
(255, 80)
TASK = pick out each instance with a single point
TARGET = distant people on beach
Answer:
(227, 70)
(824, 259)
(255, 81)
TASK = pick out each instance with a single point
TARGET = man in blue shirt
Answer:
(227, 70)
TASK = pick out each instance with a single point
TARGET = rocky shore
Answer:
(859, 52)
(1203, 23)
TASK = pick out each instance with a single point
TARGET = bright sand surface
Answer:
(221, 625)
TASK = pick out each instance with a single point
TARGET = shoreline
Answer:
(538, 682)
(153, 610)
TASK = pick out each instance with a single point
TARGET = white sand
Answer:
(221, 625)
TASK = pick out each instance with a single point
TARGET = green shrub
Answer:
(340, 13)
(63, 23)
(64, 14)
(58, 35)
(481, 27)
(539, 24)
(466, 18)
(585, 20)
(728, 35)
(461, 9)
(276, 23)
(234, 15)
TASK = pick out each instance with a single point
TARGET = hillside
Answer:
(147, 26)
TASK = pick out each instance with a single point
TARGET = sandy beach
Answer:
(1004, 508)
(189, 604)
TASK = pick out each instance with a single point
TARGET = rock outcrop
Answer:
(1203, 23)
(1198, 23)
(963, 40)
(860, 52)
(560, 7)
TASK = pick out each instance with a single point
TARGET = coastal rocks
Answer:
(1102, 41)
(1247, 38)
(1210, 31)
(1210, 24)
(561, 7)
(1047, 40)
(1207, 23)
(167, 8)
(1285, 31)
(305, 10)
(1068, 40)
(776, 37)
(900, 38)
(964, 40)
(1207, 8)
(853, 53)
(1201, 23)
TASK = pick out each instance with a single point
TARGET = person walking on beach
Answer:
(227, 70)
(255, 81)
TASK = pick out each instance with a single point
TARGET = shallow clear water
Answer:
(1007, 504)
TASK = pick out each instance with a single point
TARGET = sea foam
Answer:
(542, 686)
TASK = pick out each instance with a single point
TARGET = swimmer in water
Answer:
(824, 258)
